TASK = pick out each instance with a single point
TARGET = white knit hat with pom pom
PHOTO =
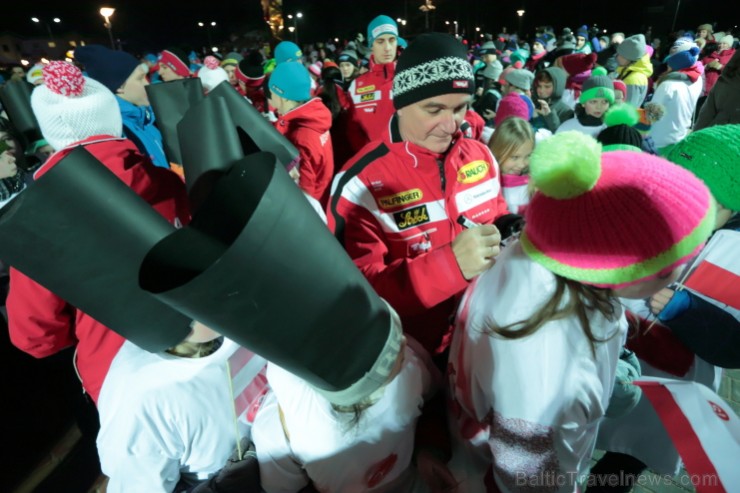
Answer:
(70, 107)
(211, 74)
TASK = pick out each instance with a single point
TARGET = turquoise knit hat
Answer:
(291, 80)
(287, 51)
(381, 25)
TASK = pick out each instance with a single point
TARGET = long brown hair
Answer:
(582, 300)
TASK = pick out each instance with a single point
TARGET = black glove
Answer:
(239, 475)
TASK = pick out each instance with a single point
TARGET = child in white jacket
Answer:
(532, 362)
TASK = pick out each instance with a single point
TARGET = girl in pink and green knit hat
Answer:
(538, 339)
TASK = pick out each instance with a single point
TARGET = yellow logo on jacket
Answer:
(369, 88)
(473, 172)
(399, 199)
(367, 97)
(411, 217)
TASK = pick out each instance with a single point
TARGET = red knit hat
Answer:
(577, 63)
(511, 105)
(612, 219)
(175, 63)
(620, 86)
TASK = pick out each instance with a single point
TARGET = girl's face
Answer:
(580, 41)
(518, 162)
(703, 33)
(618, 97)
(347, 69)
(544, 89)
(537, 47)
(596, 107)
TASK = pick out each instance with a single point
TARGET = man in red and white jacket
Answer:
(415, 209)
(372, 92)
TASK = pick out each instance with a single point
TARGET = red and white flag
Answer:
(704, 429)
(717, 275)
(248, 383)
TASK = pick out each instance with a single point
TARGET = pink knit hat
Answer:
(613, 219)
(511, 105)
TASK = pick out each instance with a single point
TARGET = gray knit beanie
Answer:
(633, 48)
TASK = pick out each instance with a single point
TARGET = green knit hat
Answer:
(712, 155)
(597, 86)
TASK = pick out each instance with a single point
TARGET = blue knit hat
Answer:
(109, 67)
(683, 59)
(287, 51)
(379, 26)
(290, 80)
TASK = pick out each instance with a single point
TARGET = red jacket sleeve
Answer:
(410, 285)
(40, 322)
(316, 165)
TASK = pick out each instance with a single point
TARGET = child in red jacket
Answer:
(305, 121)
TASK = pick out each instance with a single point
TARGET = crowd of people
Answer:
(529, 210)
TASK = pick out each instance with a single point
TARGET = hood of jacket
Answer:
(313, 115)
(642, 66)
(559, 78)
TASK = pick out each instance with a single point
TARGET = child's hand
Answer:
(660, 300)
(544, 108)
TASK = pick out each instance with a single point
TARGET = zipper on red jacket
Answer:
(441, 166)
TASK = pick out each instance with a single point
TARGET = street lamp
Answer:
(401, 22)
(298, 15)
(208, 30)
(56, 20)
(107, 12)
(520, 13)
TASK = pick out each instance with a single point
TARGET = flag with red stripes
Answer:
(717, 275)
(248, 382)
(704, 429)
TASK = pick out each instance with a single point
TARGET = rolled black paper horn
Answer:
(16, 99)
(84, 239)
(208, 121)
(255, 132)
(170, 101)
(258, 265)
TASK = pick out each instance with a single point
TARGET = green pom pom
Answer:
(566, 165)
(598, 71)
(622, 114)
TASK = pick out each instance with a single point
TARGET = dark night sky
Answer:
(154, 24)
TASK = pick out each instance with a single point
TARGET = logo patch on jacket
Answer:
(369, 88)
(403, 198)
(473, 172)
(411, 217)
(367, 97)
(460, 84)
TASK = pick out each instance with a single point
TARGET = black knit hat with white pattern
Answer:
(434, 64)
